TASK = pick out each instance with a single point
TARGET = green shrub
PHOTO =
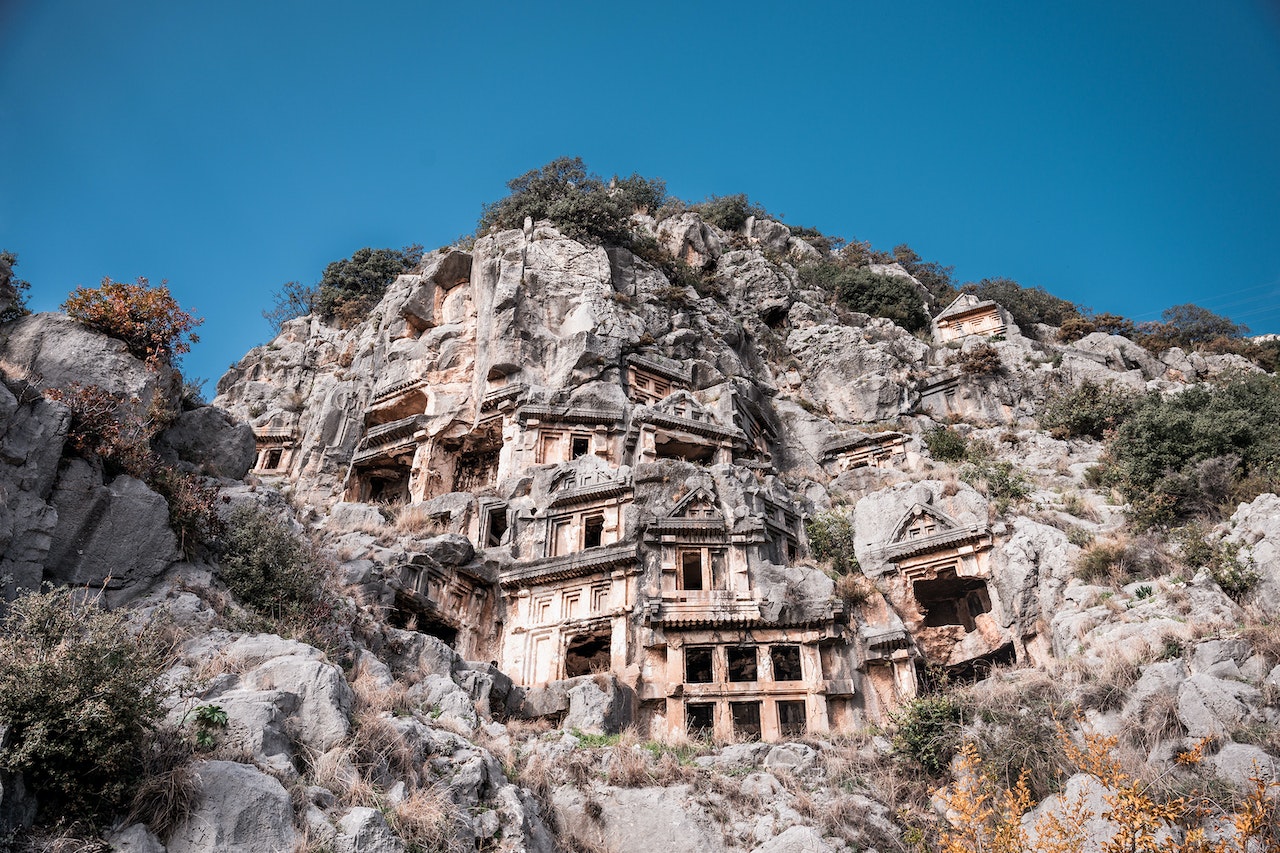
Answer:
(8, 260)
(268, 567)
(1187, 454)
(292, 301)
(927, 731)
(1188, 326)
(1088, 409)
(1220, 557)
(934, 276)
(1027, 305)
(945, 445)
(729, 212)
(577, 201)
(831, 540)
(859, 289)
(1004, 483)
(78, 695)
(1075, 328)
(351, 287)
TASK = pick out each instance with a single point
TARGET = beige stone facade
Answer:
(969, 315)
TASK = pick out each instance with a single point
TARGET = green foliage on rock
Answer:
(945, 445)
(268, 567)
(730, 212)
(934, 276)
(927, 731)
(1027, 305)
(831, 540)
(78, 696)
(1186, 454)
(578, 202)
(350, 287)
(1090, 409)
(18, 308)
(859, 289)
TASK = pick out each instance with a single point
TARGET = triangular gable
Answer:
(700, 503)
(685, 405)
(920, 521)
(959, 305)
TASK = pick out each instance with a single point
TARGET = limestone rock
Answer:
(208, 441)
(115, 534)
(237, 810)
(365, 830)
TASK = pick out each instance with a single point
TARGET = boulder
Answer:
(237, 809)
(115, 534)
(797, 839)
(599, 704)
(54, 351)
(365, 830)
(208, 441)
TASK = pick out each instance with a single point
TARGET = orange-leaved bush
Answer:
(146, 318)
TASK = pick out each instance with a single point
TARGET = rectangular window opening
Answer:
(742, 663)
(581, 446)
(273, 459)
(592, 531)
(495, 527)
(786, 663)
(746, 719)
(698, 665)
(691, 570)
(791, 718)
(699, 718)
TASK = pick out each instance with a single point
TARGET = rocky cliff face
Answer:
(563, 492)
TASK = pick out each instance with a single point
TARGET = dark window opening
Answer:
(592, 531)
(742, 663)
(581, 447)
(390, 487)
(791, 718)
(475, 471)
(977, 669)
(273, 459)
(697, 665)
(786, 663)
(699, 718)
(952, 600)
(496, 526)
(667, 447)
(746, 719)
(588, 654)
(691, 570)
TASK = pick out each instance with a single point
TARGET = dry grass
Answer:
(414, 520)
(168, 788)
(1262, 633)
(428, 819)
(1108, 688)
(371, 697)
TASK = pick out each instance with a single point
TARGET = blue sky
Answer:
(1122, 155)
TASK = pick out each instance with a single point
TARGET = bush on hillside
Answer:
(1186, 454)
(105, 427)
(8, 260)
(1075, 328)
(934, 276)
(730, 212)
(148, 319)
(861, 290)
(1188, 326)
(292, 301)
(1089, 409)
(268, 567)
(946, 445)
(927, 731)
(578, 202)
(831, 539)
(351, 287)
(79, 698)
(1027, 305)
(980, 360)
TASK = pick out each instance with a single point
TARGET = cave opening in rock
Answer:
(588, 654)
(952, 600)
(670, 447)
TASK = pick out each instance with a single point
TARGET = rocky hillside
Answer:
(568, 546)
